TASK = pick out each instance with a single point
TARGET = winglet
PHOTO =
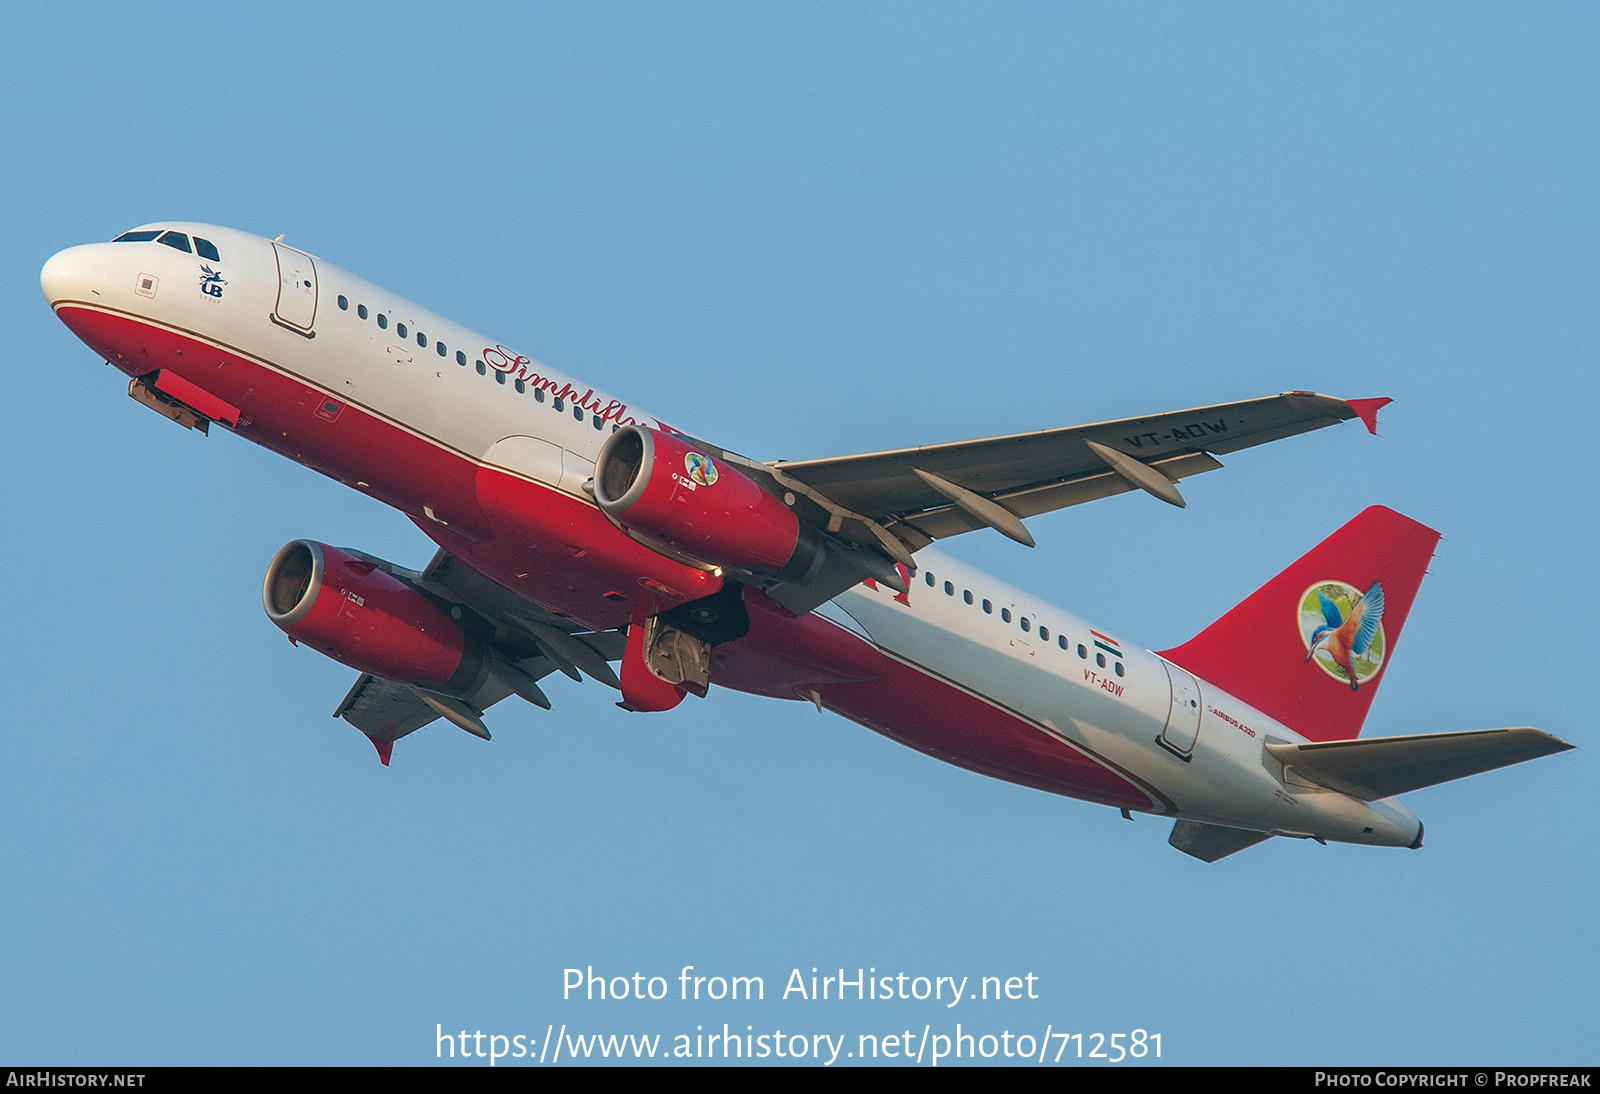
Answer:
(383, 747)
(1367, 411)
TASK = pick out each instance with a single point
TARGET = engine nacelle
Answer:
(354, 612)
(657, 484)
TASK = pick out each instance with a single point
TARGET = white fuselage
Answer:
(1195, 752)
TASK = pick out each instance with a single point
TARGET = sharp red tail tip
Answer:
(384, 749)
(1367, 411)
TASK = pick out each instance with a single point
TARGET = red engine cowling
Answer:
(660, 485)
(350, 610)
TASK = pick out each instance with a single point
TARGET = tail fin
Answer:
(1309, 647)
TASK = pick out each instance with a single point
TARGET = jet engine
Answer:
(348, 608)
(660, 486)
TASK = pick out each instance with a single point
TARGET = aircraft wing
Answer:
(386, 710)
(896, 502)
(565, 643)
(526, 643)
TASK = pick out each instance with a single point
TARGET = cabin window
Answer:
(559, 403)
(538, 394)
(1100, 659)
(1044, 634)
(481, 369)
(400, 329)
(1061, 640)
(949, 589)
(599, 423)
(988, 608)
(1005, 614)
(422, 340)
(383, 321)
(344, 304)
(520, 386)
(361, 310)
(1082, 652)
(440, 347)
(927, 578)
(499, 377)
(137, 237)
(1119, 668)
(1024, 622)
(461, 359)
(207, 249)
(577, 412)
(177, 241)
(966, 594)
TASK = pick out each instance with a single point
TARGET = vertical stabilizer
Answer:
(1310, 647)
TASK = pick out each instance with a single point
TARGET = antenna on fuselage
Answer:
(280, 238)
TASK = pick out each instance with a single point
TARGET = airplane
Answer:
(575, 531)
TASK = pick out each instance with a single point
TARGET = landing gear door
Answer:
(1183, 719)
(297, 290)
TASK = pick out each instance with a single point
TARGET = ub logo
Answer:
(211, 282)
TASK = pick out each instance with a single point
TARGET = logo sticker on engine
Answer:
(700, 468)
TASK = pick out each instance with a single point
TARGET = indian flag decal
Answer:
(1107, 643)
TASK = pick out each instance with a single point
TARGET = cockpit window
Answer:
(137, 237)
(206, 249)
(177, 241)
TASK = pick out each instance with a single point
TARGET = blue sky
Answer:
(805, 231)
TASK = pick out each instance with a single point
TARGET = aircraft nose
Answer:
(73, 274)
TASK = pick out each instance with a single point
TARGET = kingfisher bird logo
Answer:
(1342, 628)
(700, 468)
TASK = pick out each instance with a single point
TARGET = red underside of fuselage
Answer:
(564, 554)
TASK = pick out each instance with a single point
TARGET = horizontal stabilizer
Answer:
(1381, 767)
(1209, 842)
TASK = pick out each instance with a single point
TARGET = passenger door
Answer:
(297, 290)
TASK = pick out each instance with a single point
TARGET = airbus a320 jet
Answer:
(576, 531)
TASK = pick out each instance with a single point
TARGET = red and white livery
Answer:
(576, 532)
